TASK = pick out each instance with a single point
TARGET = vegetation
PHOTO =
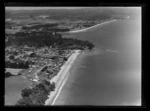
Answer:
(20, 64)
(65, 58)
(36, 95)
(44, 38)
(8, 74)
(46, 27)
(25, 101)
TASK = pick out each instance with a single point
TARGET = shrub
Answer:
(52, 86)
(26, 92)
(25, 101)
(11, 57)
(37, 95)
(8, 74)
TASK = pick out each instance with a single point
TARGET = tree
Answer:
(26, 92)
(65, 58)
(11, 57)
(52, 86)
(44, 86)
(32, 55)
(25, 101)
(15, 53)
(8, 74)
(19, 74)
(40, 98)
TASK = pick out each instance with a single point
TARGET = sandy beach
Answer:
(61, 78)
(82, 30)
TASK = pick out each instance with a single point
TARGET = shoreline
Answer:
(85, 29)
(61, 78)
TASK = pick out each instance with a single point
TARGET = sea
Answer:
(109, 75)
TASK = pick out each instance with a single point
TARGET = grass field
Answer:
(13, 87)
(12, 70)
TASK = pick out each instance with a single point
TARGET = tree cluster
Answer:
(36, 95)
(36, 39)
(21, 64)
(8, 74)
(43, 38)
(71, 43)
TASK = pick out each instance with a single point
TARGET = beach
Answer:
(61, 78)
(85, 29)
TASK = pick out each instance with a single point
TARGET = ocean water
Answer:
(111, 74)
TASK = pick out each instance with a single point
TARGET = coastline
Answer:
(85, 29)
(61, 78)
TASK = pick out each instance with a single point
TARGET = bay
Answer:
(110, 74)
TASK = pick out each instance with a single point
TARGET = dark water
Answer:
(109, 75)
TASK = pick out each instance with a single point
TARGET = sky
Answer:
(37, 8)
(42, 8)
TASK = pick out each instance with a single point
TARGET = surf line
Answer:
(59, 90)
(66, 76)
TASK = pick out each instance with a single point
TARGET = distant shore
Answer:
(61, 78)
(85, 29)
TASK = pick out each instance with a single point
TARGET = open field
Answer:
(13, 71)
(13, 87)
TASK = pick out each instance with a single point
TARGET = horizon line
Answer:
(41, 8)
